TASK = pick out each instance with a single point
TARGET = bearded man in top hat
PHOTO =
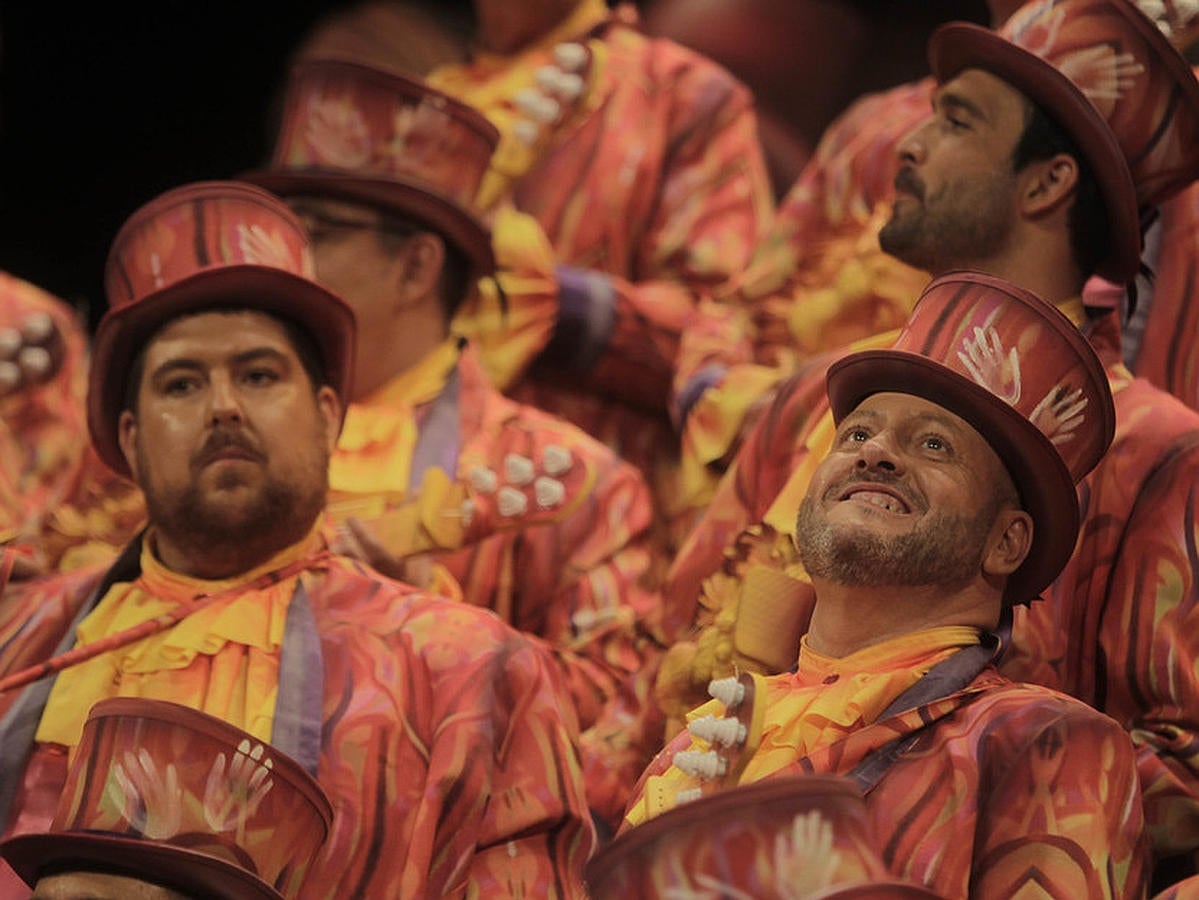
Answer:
(947, 498)
(439, 733)
(1019, 172)
(552, 525)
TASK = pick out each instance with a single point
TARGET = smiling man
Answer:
(1046, 144)
(947, 497)
(219, 378)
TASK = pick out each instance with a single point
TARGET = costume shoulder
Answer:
(695, 84)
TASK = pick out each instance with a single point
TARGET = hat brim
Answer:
(1040, 476)
(33, 856)
(441, 214)
(123, 331)
(957, 46)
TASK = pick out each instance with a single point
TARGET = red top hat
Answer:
(1022, 376)
(372, 136)
(1108, 75)
(171, 795)
(207, 245)
(754, 841)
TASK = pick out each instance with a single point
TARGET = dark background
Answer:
(104, 106)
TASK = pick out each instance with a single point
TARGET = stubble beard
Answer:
(962, 225)
(944, 551)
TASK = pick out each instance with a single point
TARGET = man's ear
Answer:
(127, 438)
(1008, 543)
(1047, 184)
(330, 407)
(418, 268)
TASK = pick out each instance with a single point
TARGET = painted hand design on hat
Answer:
(804, 858)
(1059, 413)
(989, 365)
(232, 796)
(262, 247)
(151, 801)
(421, 133)
(1049, 22)
(1102, 74)
(337, 132)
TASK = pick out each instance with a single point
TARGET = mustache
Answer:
(909, 182)
(223, 439)
(915, 502)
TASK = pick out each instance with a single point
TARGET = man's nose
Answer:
(224, 401)
(911, 147)
(877, 454)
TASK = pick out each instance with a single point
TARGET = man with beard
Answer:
(217, 384)
(947, 497)
(1046, 144)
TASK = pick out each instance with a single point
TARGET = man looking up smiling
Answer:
(947, 497)
(218, 378)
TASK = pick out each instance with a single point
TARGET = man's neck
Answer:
(1039, 263)
(850, 618)
(225, 561)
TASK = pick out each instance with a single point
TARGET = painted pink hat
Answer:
(206, 245)
(165, 793)
(1104, 70)
(368, 135)
(1023, 376)
(750, 841)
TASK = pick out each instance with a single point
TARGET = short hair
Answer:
(1043, 138)
(305, 346)
(454, 284)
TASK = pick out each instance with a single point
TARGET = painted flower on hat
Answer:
(989, 365)
(336, 132)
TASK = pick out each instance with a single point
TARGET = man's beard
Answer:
(961, 225)
(945, 550)
(277, 515)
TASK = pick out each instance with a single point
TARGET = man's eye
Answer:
(178, 387)
(956, 124)
(857, 436)
(935, 443)
(261, 377)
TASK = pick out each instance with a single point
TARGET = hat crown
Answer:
(166, 773)
(1119, 56)
(203, 227)
(1024, 352)
(357, 120)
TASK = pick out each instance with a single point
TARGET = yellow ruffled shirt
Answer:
(825, 700)
(222, 659)
(371, 466)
